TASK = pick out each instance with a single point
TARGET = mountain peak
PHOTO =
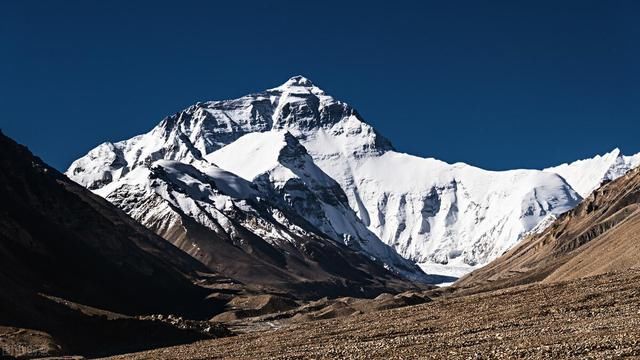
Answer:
(299, 84)
(613, 154)
(588, 174)
(298, 80)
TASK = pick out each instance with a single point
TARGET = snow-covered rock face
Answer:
(159, 195)
(287, 175)
(587, 175)
(434, 212)
(314, 156)
(296, 106)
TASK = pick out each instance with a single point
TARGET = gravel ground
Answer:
(593, 318)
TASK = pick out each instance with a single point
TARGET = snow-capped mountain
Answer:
(589, 174)
(281, 169)
(309, 154)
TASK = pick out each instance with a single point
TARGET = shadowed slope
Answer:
(65, 252)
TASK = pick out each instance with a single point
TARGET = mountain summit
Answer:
(296, 106)
(299, 81)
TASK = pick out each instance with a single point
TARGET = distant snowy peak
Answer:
(587, 175)
(262, 138)
(296, 106)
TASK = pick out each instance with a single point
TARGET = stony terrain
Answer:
(595, 317)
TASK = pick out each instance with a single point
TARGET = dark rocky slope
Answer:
(59, 241)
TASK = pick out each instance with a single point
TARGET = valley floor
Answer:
(597, 317)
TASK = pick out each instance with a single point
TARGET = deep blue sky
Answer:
(498, 84)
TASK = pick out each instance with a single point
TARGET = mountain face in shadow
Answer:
(79, 270)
